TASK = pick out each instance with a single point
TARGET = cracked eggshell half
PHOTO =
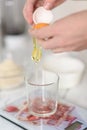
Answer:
(41, 15)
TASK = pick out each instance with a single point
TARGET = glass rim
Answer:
(28, 82)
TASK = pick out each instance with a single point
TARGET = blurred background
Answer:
(16, 43)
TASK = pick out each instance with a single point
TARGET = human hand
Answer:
(31, 5)
(67, 34)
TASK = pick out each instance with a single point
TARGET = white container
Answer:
(70, 69)
(14, 42)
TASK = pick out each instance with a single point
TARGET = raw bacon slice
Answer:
(11, 109)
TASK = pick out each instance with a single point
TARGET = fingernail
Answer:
(47, 5)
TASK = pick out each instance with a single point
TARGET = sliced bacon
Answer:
(11, 109)
(60, 115)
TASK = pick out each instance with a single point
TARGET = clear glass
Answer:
(42, 93)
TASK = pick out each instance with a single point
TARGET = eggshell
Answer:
(41, 15)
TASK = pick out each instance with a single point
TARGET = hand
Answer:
(50, 4)
(31, 5)
(67, 34)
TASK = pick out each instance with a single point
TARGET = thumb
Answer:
(49, 4)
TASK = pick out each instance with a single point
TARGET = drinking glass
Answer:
(42, 93)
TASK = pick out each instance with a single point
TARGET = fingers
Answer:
(51, 43)
(60, 50)
(43, 33)
(67, 48)
(49, 4)
(28, 10)
(39, 3)
(57, 45)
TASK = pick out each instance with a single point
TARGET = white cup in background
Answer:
(70, 69)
